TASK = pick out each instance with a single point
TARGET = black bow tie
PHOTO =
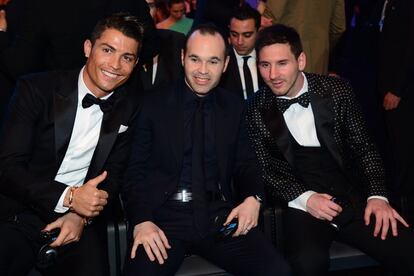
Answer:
(284, 104)
(105, 105)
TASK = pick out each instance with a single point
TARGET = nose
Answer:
(240, 40)
(203, 68)
(115, 62)
(273, 72)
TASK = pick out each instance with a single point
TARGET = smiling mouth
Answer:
(201, 80)
(110, 75)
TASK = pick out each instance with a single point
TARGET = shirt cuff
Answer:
(300, 201)
(379, 197)
(59, 206)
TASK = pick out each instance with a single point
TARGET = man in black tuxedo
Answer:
(190, 145)
(67, 133)
(241, 76)
(316, 155)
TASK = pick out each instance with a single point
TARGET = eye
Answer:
(264, 65)
(129, 59)
(194, 59)
(213, 61)
(106, 50)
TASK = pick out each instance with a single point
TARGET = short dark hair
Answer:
(245, 12)
(126, 23)
(206, 28)
(281, 34)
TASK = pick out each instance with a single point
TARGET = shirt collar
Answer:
(239, 57)
(83, 89)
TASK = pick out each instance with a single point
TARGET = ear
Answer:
(182, 57)
(302, 61)
(87, 47)
(226, 62)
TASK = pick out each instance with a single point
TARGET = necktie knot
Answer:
(105, 105)
(246, 58)
(284, 104)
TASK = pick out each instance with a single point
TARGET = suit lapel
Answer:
(234, 74)
(65, 106)
(276, 125)
(323, 112)
(111, 122)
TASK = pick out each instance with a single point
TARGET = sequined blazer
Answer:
(340, 127)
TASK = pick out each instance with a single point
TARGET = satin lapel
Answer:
(174, 122)
(234, 74)
(276, 125)
(65, 106)
(109, 130)
(322, 107)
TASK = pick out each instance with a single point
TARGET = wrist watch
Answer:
(258, 198)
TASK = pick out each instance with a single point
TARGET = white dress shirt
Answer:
(251, 62)
(85, 136)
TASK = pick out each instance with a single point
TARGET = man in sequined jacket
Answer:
(317, 156)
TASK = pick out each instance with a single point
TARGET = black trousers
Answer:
(19, 239)
(251, 254)
(308, 241)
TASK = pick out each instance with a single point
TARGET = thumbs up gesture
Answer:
(88, 200)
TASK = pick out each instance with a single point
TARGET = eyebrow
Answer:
(114, 49)
(243, 33)
(211, 58)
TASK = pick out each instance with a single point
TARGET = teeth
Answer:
(111, 75)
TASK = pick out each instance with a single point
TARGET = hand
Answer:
(71, 227)
(153, 239)
(88, 200)
(247, 214)
(391, 101)
(3, 21)
(322, 207)
(384, 215)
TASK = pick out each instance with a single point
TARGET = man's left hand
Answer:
(247, 214)
(71, 227)
(384, 216)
